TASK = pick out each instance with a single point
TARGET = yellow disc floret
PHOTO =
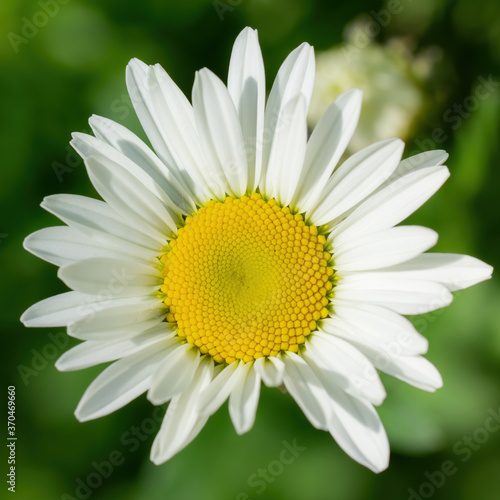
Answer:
(246, 278)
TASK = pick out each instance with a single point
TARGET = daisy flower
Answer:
(238, 252)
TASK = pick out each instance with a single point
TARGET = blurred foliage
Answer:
(58, 68)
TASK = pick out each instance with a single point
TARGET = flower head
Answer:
(239, 253)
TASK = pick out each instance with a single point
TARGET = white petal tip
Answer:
(81, 417)
(136, 63)
(76, 136)
(378, 468)
(161, 459)
(28, 320)
(97, 120)
(60, 366)
(247, 29)
(436, 384)
(486, 272)
(432, 379)
(444, 154)
(61, 273)
(204, 74)
(26, 241)
(63, 364)
(155, 400)
(242, 430)
(46, 201)
(24, 319)
(354, 93)
(397, 142)
(379, 399)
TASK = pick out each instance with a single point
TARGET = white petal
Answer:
(246, 84)
(356, 178)
(375, 327)
(62, 245)
(220, 388)
(452, 270)
(174, 116)
(120, 383)
(392, 204)
(295, 79)
(127, 196)
(411, 164)
(339, 365)
(403, 295)
(307, 390)
(182, 422)
(326, 145)
(286, 155)
(244, 398)
(174, 374)
(123, 140)
(95, 352)
(119, 278)
(414, 370)
(271, 370)
(196, 428)
(62, 309)
(84, 213)
(88, 146)
(357, 428)
(383, 248)
(416, 162)
(124, 319)
(166, 116)
(374, 331)
(220, 134)
(139, 91)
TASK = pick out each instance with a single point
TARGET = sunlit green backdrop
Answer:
(58, 68)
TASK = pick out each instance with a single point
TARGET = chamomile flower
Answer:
(239, 253)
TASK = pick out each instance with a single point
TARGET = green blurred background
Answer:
(62, 60)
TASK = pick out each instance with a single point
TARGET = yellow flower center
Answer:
(246, 278)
